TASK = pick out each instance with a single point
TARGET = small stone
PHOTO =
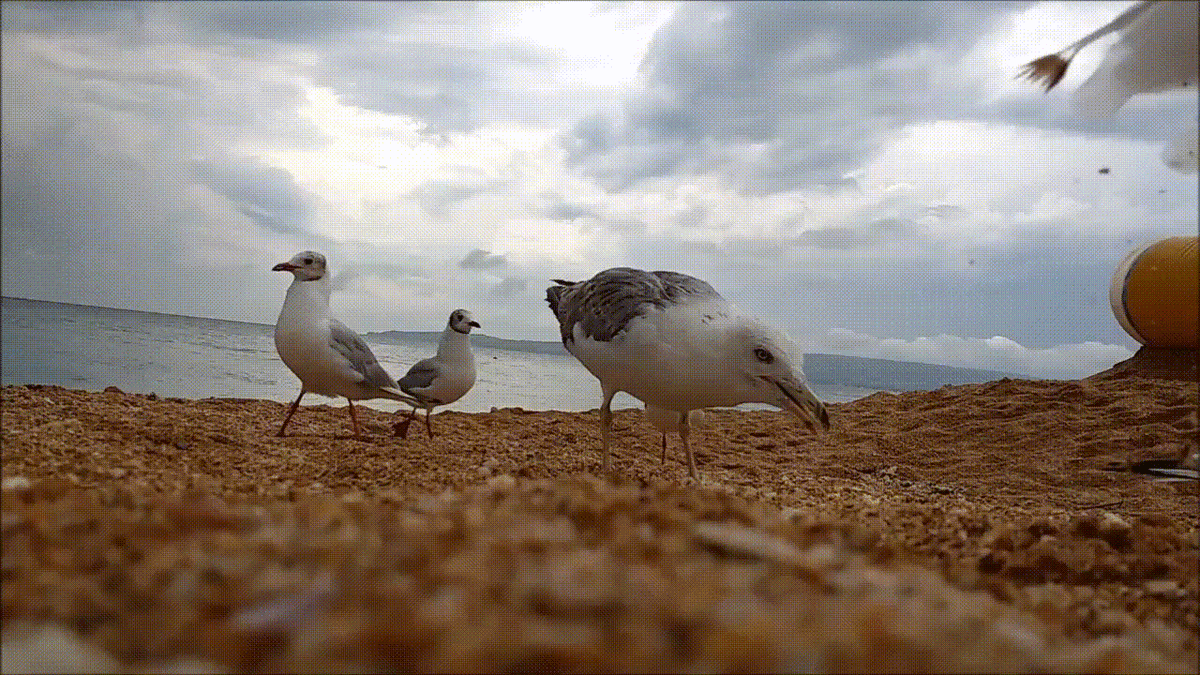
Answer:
(502, 482)
(1114, 530)
(1164, 587)
(1114, 621)
(560, 531)
(749, 543)
(52, 649)
(11, 521)
(15, 484)
(289, 611)
(1191, 460)
(1113, 521)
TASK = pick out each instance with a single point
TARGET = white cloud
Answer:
(1068, 361)
(815, 169)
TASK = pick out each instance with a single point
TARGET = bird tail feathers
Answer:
(553, 293)
(392, 392)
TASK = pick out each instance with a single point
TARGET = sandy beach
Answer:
(990, 527)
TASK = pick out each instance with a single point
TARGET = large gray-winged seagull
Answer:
(672, 341)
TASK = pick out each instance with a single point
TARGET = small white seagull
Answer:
(444, 378)
(673, 342)
(329, 358)
(673, 422)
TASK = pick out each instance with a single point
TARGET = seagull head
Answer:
(462, 321)
(305, 266)
(771, 376)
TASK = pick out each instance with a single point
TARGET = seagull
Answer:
(673, 422)
(446, 377)
(329, 358)
(1157, 51)
(673, 342)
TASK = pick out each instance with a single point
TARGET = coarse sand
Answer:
(988, 528)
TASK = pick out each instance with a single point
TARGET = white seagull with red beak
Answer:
(329, 358)
(672, 341)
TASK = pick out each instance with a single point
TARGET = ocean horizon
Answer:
(91, 348)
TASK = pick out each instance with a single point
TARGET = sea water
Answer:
(91, 348)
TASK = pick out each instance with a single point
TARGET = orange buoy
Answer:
(1155, 294)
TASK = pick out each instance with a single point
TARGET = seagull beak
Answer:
(802, 403)
(473, 323)
(284, 267)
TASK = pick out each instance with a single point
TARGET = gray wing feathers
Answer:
(347, 343)
(604, 304)
(420, 376)
(679, 287)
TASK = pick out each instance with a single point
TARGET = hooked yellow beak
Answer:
(802, 403)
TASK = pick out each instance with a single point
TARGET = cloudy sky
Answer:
(869, 177)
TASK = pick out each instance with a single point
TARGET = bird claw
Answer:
(1048, 69)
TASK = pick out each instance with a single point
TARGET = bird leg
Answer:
(401, 428)
(354, 420)
(428, 429)
(291, 411)
(687, 448)
(663, 459)
(606, 427)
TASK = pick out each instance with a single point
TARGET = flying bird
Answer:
(673, 422)
(329, 358)
(1157, 51)
(673, 342)
(445, 377)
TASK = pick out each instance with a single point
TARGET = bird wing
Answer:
(1156, 52)
(420, 377)
(348, 343)
(605, 304)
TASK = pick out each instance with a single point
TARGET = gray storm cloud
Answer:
(479, 259)
(777, 96)
(145, 145)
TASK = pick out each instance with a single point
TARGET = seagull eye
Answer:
(763, 355)
(308, 261)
